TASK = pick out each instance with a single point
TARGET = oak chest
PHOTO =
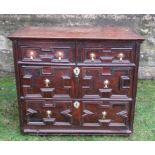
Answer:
(76, 80)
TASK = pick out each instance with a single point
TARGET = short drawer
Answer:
(106, 52)
(54, 52)
(106, 115)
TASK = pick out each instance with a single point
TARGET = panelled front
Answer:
(76, 86)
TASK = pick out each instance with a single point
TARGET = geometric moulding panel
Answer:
(124, 82)
(105, 93)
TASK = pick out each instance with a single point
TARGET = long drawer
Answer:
(40, 81)
(54, 115)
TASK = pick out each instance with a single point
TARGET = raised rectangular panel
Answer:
(125, 82)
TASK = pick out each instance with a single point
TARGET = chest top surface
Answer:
(109, 33)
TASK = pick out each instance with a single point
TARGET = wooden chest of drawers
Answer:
(76, 80)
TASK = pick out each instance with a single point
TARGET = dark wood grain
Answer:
(114, 33)
(102, 109)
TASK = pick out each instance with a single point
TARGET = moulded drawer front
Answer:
(53, 52)
(54, 115)
(47, 114)
(106, 52)
(106, 82)
(107, 115)
(47, 81)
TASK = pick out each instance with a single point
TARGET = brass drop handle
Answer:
(121, 56)
(106, 83)
(76, 104)
(104, 114)
(92, 56)
(49, 113)
(31, 55)
(60, 54)
(47, 82)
